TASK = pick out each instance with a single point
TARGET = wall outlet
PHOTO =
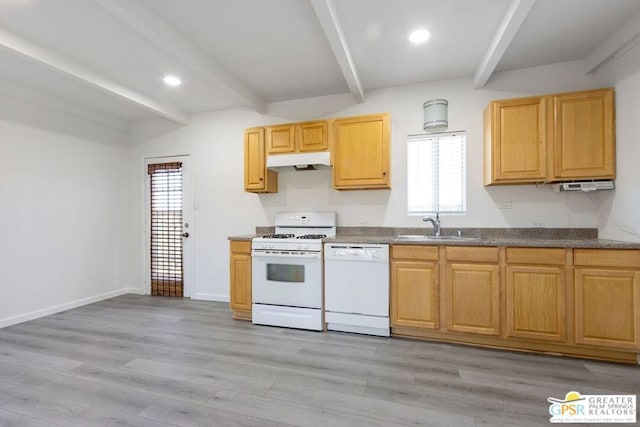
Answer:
(506, 204)
(362, 222)
(536, 223)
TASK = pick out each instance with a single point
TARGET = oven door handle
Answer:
(299, 255)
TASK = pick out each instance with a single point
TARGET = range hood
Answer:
(300, 161)
(584, 186)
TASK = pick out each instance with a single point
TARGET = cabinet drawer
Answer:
(623, 258)
(240, 247)
(536, 256)
(469, 253)
(414, 252)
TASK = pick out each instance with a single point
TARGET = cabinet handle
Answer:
(261, 179)
(384, 173)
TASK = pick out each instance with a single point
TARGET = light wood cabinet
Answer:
(580, 302)
(516, 141)
(536, 294)
(414, 287)
(607, 300)
(361, 152)
(257, 178)
(313, 136)
(240, 283)
(584, 135)
(472, 290)
(359, 147)
(297, 137)
(550, 138)
(280, 139)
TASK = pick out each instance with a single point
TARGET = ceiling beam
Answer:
(331, 25)
(164, 37)
(41, 98)
(617, 43)
(22, 47)
(511, 23)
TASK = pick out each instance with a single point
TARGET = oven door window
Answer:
(289, 273)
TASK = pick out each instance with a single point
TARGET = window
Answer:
(436, 166)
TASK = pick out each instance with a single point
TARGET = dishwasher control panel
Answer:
(356, 252)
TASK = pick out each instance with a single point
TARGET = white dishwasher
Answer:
(356, 288)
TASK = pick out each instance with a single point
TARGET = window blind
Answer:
(166, 229)
(436, 173)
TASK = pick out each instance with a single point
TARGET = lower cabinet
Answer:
(414, 287)
(536, 294)
(579, 302)
(472, 290)
(607, 298)
(240, 283)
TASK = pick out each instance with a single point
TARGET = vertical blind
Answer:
(436, 168)
(166, 229)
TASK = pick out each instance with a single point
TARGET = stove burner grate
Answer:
(279, 236)
(312, 236)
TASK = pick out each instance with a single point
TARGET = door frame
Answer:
(187, 217)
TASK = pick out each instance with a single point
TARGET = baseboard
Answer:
(8, 321)
(210, 297)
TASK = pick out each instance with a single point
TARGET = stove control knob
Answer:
(306, 246)
(298, 246)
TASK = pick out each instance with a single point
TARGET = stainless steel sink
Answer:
(419, 237)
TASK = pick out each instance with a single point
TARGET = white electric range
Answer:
(287, 271)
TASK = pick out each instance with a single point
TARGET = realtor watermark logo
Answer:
(593, 408)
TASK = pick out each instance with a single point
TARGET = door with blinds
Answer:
(168, 227)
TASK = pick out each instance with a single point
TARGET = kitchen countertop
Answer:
(490, 241)
(532, 237)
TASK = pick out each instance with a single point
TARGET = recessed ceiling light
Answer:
(419, 36)
(172, 81)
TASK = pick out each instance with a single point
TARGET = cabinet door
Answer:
(257, 178)
(280, 139)
(473, 298)
(515, 141)
(361, 152)
(313, 136)
(414, 294)
(240, 273)
(607, 306)
(584, 135)
(536, 302)
(254, 159)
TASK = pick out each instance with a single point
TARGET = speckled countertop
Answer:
(522, 237)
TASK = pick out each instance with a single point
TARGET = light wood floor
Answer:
(156, 361)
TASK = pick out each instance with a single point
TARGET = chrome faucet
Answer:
(434, 222)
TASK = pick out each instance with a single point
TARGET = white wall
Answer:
(222, 207)
(63, 211)
(619, 211)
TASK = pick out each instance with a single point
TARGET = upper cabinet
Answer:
(515, 141)
(550, 138)
(361, 152)
(257, 178)
(359, 146)
(584, 135)
(297, 137)
(280, 139)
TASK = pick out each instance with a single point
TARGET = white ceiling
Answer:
(108, 57)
